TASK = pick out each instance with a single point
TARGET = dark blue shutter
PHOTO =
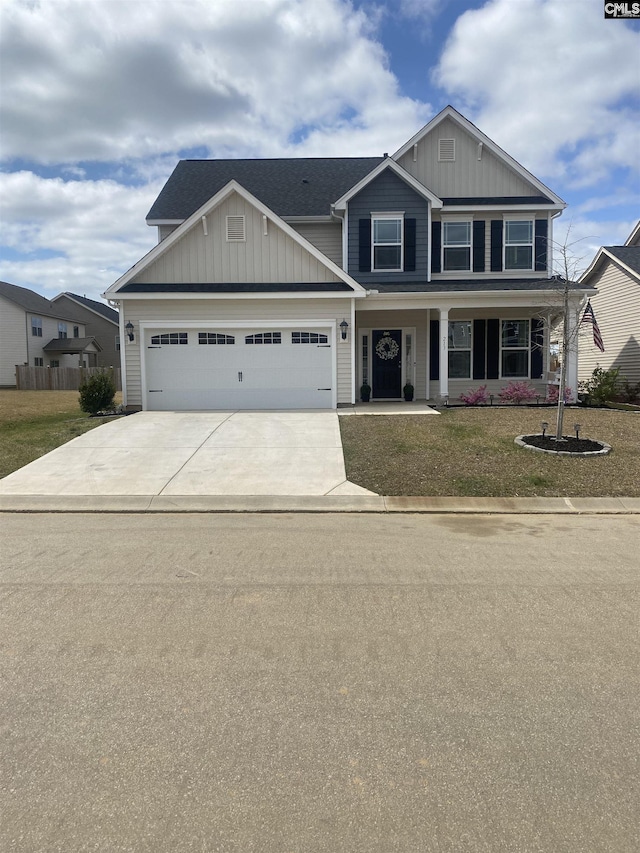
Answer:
(479, 348)
(496, 245)
(434, 349)
(541, 244)
(537, 343)
(478, 246)
(493, 348)
(364, 263)
(409, 245)
(436, 245)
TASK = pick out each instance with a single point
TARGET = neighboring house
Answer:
(39, 333)
(100, 322)
(615, 272)
(289, 283)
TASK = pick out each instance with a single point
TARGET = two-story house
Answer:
(40, 333)
(290, 283)
(615, 272)
(100, 322)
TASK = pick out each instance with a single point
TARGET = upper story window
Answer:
(76, 331)
(518, 244)
(62, 330)
(456, 246)
(386, 242)
(36, 327)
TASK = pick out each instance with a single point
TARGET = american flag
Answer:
(590, 317)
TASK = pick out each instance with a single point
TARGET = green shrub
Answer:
(602, 386)
(97, 393)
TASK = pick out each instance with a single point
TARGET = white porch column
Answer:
(571, 377)
(444, 352)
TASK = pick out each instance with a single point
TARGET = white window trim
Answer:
(457, 220)
(468, 349)
(387, 215)
(526, 348)
(518, 218)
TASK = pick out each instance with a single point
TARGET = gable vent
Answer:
(236, 229)
(446, 150)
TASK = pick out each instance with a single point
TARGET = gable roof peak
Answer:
(452, 113)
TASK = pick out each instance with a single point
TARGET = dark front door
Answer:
(387, 365)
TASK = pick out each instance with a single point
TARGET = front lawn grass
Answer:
(34, 422)
(471, 452)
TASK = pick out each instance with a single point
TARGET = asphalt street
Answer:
(290, 683)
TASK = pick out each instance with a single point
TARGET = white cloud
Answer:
(100, 80)
(95, 231)
(549, 80)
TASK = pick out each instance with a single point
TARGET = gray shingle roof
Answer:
(99, 307)
(289, 187)
(70, 345)
(629, 255)
(31, 302)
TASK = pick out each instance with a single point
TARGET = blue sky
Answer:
(100, 98)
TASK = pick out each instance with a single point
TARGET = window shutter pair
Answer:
(364, 245)
(540, 248)
(478, 246)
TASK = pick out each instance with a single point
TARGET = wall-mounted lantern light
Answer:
(129, 330)
(343, 329)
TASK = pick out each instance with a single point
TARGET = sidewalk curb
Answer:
(316, 504)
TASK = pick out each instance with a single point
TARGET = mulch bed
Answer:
(569, 444)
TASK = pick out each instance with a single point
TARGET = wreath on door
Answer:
(387, 348)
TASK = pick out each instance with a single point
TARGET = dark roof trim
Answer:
(475, 286)
(248, 287)
(499, 201)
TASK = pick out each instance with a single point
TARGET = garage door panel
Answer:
(196, 376)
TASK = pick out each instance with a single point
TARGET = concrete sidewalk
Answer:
(336, 503)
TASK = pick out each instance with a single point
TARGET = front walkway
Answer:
(390, 407)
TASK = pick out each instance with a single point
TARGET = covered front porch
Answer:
(447, 348)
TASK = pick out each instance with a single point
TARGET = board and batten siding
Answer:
(617, 310)
(389, 193)
(13, 340)
(467, 176)
(327, 237)
(244, 312)
(198, 258)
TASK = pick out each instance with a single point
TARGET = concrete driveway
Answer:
(195, 453)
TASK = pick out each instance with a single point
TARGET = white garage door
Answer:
(244, 368)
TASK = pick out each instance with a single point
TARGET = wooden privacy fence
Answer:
(60, 378)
